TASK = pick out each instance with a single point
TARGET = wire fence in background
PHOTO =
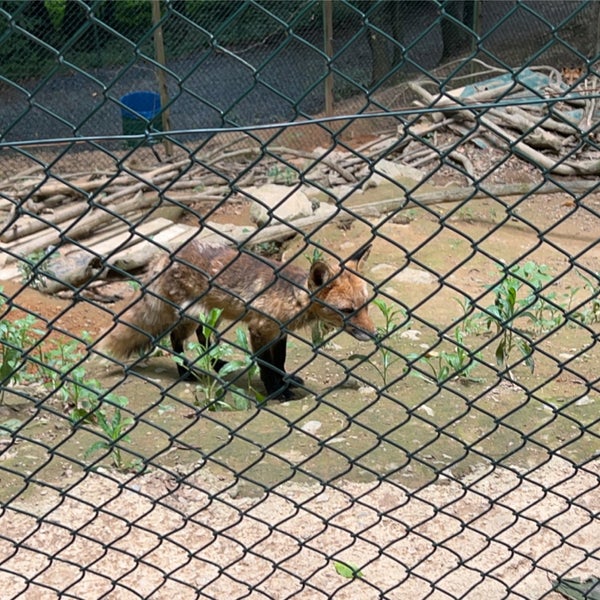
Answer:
(431, 431)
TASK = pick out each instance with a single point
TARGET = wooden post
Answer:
(159, 51)
(328, 46)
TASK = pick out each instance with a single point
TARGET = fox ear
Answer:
(361, 255)
(320, 273)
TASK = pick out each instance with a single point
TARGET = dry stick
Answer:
(215, 157)
(518, 147)
(66, 213)
(537, 136)
(53, 188)
(138, 187)
(73, 211)
(293, 152)
(332, 164)
(16, 180)
(527, 151)
(420, 157)
(283, 231)
(546, 122)
(58, 187)
(183, 198)
(586, 167)
(85, 226)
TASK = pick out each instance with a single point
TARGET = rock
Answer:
(386, 171)
(584, 401)
(410, 275)
(411, 334)
(283, 202)
(311, 427)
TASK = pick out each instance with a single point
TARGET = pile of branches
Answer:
(551, 127)
(40, 209)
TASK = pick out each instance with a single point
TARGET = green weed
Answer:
(503, 314)
(34, 268)
(347, 570)
(319, 330)
(115, 429)
(590, 313)
(285, 176)
(388, 357)
(16, 338)
(213, 362)
(445, 366)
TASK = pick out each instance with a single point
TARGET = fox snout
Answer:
(360, 334)
(361, 327)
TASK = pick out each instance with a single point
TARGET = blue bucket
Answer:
(141, 114)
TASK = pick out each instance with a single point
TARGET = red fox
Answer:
(271, 298)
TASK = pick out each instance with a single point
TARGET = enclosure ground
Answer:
(471, 489)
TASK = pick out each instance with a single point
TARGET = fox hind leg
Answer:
(178, 337)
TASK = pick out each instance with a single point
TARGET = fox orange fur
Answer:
(269, 297)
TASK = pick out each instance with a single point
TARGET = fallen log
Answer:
(80, 228)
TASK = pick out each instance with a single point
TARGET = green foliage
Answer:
(316, 256)
(58, 368)
(320, 329)
(502, 315)
(445, 366)
(542, 309)
(88, 30)
(114, 427)
(540, 312)
(213, 362)
(286, 176)
(347, 570)
(34, 268)
(56, 11)
(386, 354)
(578, 589)
(590, 312)
(133, 17)
(16, 338)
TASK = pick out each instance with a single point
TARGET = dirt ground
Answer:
(486, 490)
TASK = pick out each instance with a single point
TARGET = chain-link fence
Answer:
(299, 299)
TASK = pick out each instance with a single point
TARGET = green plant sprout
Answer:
(58, 371)
(542, 311)
(390, 328)
(591, 311)
(115, 429)
(470, 323)
(319, 329)
(34, 269)
(503, 313)
(285, 176)
(16, 339)
(445, 366)
(211, 366)
(347, 570)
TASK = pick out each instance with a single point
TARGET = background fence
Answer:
(457, 457)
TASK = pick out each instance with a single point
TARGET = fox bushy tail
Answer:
(139, 327)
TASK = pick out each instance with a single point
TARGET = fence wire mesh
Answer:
(299, 299)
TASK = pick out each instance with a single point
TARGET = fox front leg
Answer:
(270, 356)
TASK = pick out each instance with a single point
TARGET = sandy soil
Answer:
(501, 534)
